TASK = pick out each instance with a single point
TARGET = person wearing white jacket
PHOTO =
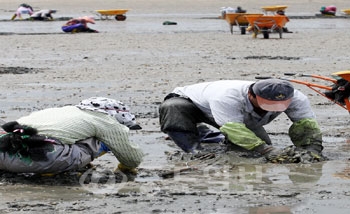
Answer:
(23, 9)
(42, 15)
(239, 109)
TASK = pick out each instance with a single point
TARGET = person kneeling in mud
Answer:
(56, 140)
(43, 15)
(329, 10)
(240, 109)
(78, 25)
(23, 9)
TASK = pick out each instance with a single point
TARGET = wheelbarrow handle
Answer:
(312, 75)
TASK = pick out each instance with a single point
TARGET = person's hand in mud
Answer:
(310, 153)
(302, 155)
(273, 154)
(293, 154)
(128, 172)
(269, 152)
(126, 169)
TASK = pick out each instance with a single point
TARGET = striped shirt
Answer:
(70, 124)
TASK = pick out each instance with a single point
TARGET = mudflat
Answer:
(139, 61)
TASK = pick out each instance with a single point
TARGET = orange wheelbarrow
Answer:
(274, 9)
(338, 91)
(346, 11)
(119, 14)
(267, 24)
(240, 20)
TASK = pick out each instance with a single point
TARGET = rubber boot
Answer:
(187, 141)
(206, 135)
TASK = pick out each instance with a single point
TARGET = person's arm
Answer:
(304, 130)
(49, 16)
(72, 22)
(239, 134)
(306, 133)
(127, 153)
(116, 138)
(18, 13)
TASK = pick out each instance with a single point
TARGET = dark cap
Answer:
(273, 94)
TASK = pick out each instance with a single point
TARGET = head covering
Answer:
(273, 94)
(114, 108)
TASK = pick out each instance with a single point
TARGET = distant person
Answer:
(329, 10)
(282, 13)
(78, 25)
(67, 138)
(225, 10)
(22, 9)
(240, 10)
(43, 15)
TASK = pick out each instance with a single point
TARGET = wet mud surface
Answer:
(231, 181)
(139, 61)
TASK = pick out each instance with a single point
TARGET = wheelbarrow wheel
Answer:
(231, 28)
(265, 33)
(280, 31)
(120, 17)
(255, 33)
(243, 30)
